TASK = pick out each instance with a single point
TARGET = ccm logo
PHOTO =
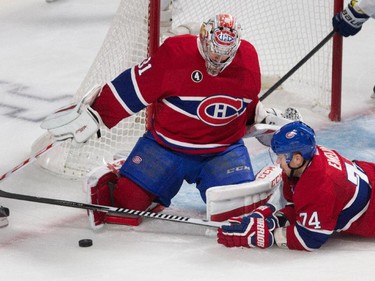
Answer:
(238, 169)
(266, 172)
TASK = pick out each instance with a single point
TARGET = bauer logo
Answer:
(137, 159)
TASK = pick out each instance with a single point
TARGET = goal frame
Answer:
(75, 162)
(337, 50)
(337, 46)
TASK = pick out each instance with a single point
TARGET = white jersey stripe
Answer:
(118, 98)
(136, 88)
(190, 145)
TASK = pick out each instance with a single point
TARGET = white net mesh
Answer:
(282, 31)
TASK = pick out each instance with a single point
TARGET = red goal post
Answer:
(282, 31)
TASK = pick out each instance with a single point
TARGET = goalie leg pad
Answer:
(129, 195)
(224, 202)
(105, 187)
(101, 194)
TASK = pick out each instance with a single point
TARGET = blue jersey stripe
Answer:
(127, 91)
(359, 205)
(309, 239)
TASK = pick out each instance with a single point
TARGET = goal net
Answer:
(282, 31)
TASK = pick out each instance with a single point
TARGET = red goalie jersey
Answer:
(194, 112)
(333, 194)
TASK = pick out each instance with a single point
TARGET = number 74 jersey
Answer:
(332, 195)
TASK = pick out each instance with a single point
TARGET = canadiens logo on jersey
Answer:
(218, 110)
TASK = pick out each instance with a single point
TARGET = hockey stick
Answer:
(31, 159)
(112, 210)
(298, 65)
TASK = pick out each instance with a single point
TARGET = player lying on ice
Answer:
(204, 90)
(325, 193)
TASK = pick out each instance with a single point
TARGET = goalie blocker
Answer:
(78, 121)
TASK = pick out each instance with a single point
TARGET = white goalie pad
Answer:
(224, 202)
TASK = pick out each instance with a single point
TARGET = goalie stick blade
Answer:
(107, 209)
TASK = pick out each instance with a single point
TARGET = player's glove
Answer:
(268, 211)
(349, 21)
(248, 232)
(265, 211)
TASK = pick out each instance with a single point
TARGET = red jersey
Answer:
(332, 194)
(194, 111)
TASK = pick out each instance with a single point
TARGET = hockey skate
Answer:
(4, 214)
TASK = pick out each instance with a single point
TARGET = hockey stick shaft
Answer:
(112, 210)
(30, 159)
(298, 65)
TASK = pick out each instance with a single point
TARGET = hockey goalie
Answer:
(204, 91)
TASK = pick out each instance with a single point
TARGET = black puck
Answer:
(85, 243)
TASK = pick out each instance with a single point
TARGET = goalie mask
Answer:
(294, 137)
(219, 40)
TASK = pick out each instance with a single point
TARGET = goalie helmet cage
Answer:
(282, 31)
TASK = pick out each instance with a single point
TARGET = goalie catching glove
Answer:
(78, 122)
(269, 120)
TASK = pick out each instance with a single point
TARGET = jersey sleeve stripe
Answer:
(118, 98)
(358, 205)
(311, 239)
(136, 88)
(128, 92)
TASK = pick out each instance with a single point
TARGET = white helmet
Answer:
(219, 40)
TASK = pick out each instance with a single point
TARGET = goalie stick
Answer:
(112, 210)
(298, 65)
